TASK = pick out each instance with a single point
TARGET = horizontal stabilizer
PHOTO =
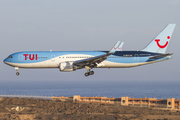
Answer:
(160, 56)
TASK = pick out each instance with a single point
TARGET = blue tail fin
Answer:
(161, 42)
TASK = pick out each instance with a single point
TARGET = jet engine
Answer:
(66, 66)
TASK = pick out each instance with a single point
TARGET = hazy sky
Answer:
(65, 25)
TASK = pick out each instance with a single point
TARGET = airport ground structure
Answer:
(169, 103)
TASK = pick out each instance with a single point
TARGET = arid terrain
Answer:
(34, 109)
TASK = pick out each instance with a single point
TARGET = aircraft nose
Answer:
(5, 60)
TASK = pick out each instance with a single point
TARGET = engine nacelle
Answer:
(66, 66)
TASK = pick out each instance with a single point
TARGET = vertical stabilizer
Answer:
(161, 42)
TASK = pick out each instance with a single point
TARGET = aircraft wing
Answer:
(120, 46)
(93, 61)
(160, 56)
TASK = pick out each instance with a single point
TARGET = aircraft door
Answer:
(136, 57)
(20, 57)
(53, 58)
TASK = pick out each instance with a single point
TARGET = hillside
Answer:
(34, 109)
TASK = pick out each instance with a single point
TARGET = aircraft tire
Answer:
(86, 74)
(91, 72)
(17, 73)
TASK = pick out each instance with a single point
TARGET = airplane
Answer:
(68, 61)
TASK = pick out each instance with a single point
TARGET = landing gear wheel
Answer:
(91, 72)
(86, 74)
(17, 73)
(17, 69)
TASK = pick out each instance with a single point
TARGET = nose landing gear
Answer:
(17, 73)
(17, 69)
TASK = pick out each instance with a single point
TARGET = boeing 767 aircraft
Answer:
(68, 61)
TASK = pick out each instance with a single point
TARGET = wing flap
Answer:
(90, 61)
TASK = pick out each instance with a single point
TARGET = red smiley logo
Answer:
(162, 46)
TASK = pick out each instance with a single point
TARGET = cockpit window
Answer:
(10, 56)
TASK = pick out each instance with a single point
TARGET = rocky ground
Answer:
(34, 109)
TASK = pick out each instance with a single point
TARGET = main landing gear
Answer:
(88, 71)
(17, 69)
